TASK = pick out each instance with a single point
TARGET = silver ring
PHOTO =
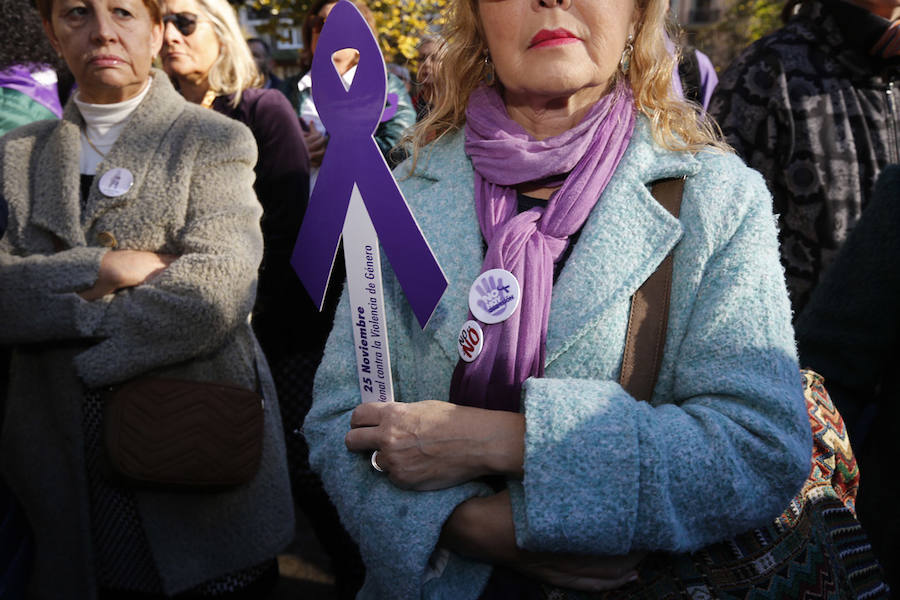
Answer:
(375, 463)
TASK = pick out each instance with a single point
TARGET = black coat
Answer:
(282, 186)
(809, 108)
(850, 333)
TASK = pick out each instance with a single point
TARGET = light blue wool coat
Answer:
(721, 448)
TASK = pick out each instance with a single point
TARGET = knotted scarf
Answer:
(527, 244)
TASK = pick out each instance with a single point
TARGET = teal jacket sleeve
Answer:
(725, 442)
(397, 530)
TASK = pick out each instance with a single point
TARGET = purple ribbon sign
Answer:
(353, 159)
(356, 197)
(393, 103)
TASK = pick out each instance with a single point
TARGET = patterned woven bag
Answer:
(815, 549)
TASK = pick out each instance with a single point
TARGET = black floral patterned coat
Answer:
(817, 115)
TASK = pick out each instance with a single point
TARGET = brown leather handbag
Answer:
(175, 434)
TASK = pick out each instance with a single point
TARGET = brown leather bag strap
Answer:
(649, 315)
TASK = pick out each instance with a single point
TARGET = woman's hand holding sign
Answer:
(433, 445)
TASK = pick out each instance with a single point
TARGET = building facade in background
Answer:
(286, 46)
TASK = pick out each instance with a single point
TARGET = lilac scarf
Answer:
(528, 244)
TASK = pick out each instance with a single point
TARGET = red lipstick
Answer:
(545, 38)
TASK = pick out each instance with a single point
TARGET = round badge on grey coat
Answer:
(116, 182)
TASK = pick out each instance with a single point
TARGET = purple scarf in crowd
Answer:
(22, 79)
(527, 244)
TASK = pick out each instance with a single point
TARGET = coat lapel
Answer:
(624, 239)
(460, 252)
(56, 201)
(136, 147)
(57, 198)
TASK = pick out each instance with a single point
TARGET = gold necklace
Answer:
(91, 143)
(208, 99)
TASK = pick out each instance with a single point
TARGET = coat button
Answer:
(107, 239)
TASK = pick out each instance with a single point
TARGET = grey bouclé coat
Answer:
(192, 196)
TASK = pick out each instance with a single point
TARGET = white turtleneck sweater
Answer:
(103, 124)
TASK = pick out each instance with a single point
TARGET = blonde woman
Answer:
(207, 58)
(551, 121)
(204, 53)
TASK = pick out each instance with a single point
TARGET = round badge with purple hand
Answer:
(494, 296)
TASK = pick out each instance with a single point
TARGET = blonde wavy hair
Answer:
(676, 124)
(234, 69)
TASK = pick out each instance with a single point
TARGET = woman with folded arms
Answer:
(132, 251)
(521, 461)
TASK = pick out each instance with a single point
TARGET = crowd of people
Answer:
(155, 168)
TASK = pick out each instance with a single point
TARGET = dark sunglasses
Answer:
(316, 23)
(184, 22)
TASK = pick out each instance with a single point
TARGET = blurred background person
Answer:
(102, 282)
(28, 68)
(812, 107)
(428, 55)
(696, 77)
(262, 56)
(205, 55)
(403, 74)
(211, 65)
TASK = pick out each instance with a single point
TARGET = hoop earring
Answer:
(625, 61)
(490, 74)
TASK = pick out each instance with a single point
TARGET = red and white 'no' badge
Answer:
(471, 341)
